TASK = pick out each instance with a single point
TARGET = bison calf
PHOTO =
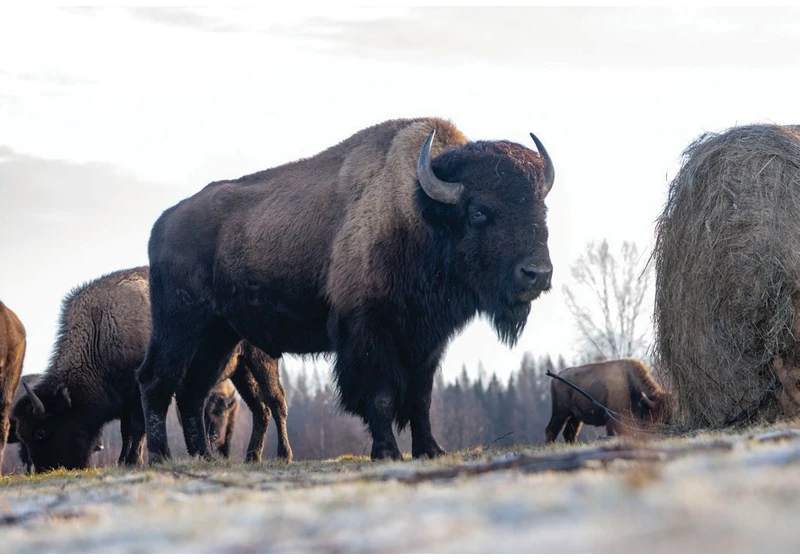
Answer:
(623, 386)
(220, 416)
(12, 352)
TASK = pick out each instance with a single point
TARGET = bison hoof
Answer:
(382, 451)
(430, 450)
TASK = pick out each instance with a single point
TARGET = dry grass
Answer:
(727, 261)
(707, 492)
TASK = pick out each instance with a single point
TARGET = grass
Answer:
(701, 491)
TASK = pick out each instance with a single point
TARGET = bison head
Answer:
(217, 413)
(485, 200)
(659, 408)
(54, 431)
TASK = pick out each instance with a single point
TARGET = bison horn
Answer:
(447, 193)
(647, 400)
(549, 170)
(38, 406)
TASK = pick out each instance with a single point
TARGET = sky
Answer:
(108, 116)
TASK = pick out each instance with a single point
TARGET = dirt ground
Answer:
(704, 493)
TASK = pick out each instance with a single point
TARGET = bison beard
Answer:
(378, 249)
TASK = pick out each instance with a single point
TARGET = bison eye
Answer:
(477, 217)
(40, 434)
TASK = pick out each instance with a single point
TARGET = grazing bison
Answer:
(103, 334)
(378, 249)
(623, 386)
(220, 417)
(31, 380)
(12, 352)
(252, 366)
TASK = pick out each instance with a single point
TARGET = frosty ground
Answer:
(708, 492)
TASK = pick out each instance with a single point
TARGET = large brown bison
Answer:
(378, 249)
(103, 334)
(12, 352)
(623, 386)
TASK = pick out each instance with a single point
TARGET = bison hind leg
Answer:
(204, 372)
(572, 429)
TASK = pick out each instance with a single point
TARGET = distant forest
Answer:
(465, 413)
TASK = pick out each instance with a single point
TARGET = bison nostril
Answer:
(536, 278)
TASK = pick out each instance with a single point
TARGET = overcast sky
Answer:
(109, 116)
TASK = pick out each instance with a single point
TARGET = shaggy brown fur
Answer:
(12, 352)
(90, 381)
(346, 252)
(727, 261)
(618, 385)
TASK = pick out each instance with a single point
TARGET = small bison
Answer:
(12, 352)
(103, 334)
(222, 405)
(623, 386)
(378, 250)
(220, 416)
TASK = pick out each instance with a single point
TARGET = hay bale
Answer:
(727, 259)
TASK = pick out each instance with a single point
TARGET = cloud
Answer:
(63, 224)
(576, 36)
(187, 18)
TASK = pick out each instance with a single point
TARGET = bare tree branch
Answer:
(608, 298)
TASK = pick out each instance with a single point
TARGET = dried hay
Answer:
(727, 259)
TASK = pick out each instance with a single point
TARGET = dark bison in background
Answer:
(220, 417)
(378, 249)
(262, 373)
(103, 334)
(12, 352)
(623, 386)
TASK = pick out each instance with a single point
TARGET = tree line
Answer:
(466, 412)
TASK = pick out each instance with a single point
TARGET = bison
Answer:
(222, 406)
(30, 381)
(104, 328)
(12, 352)
(378, 250)
(220, 417)
(623, 386)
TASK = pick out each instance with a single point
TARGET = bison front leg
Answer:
(371, 381)
(246, 384)
(379, 414)
(557, 420)
(418, 409)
